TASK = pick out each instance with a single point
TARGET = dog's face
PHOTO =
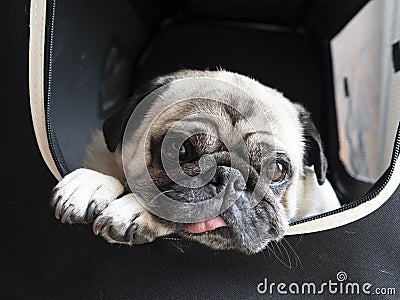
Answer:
(255, 141)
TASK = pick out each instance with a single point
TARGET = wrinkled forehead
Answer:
(229, 121)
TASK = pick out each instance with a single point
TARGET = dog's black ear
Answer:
(114, 126)
(314, 154)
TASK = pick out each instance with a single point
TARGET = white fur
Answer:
(79, 188)
(315, 199)
(127, 211)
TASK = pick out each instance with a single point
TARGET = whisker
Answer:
(278, 244)
(178, 245)
(158, 195)
(281, 261)
(296, 255)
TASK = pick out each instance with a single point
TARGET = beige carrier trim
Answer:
(36, 80)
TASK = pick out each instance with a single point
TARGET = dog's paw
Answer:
(126, 221)
(83, 194)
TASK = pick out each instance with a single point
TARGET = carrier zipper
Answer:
(49, 46)
(175, 239)
(370, 195)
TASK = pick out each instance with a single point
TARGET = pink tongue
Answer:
(206, 225)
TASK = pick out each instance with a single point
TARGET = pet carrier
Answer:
(340, 59)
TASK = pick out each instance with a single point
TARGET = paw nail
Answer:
(130, 232)
(53, 197)
(67, 214)
(101, 223)
(90, 212)
(59, 207)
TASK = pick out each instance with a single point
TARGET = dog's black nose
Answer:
(228, 178)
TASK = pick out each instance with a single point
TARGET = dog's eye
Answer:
(276, 171)
(280, 172)
(174, 150)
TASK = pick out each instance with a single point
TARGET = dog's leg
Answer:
(126, 221)
(83, 194)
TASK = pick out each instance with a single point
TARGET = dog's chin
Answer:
(248, 230)
(225, 238)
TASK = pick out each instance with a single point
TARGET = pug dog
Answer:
(278, 176)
